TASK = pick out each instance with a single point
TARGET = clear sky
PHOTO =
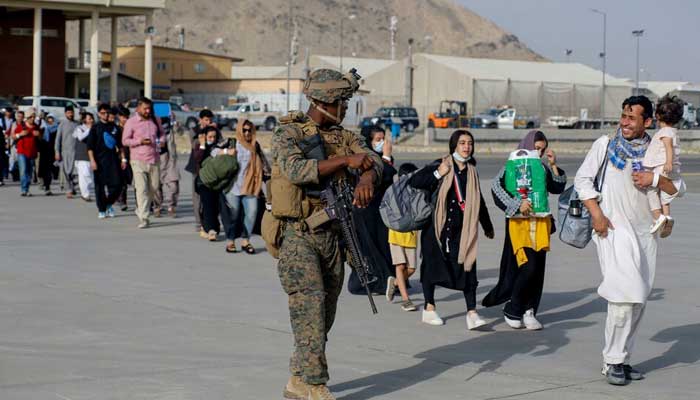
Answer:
(669, 49)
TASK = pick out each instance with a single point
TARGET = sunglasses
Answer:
(245, 130)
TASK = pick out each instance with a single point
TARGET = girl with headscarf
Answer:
(449, 242)
(526, 243)
(372, 234)
(47, 155)
(253, 169)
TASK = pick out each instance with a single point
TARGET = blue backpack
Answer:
(405, 208)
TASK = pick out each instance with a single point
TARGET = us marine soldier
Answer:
(308, 150)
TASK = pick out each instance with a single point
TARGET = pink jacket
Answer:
(137, 129)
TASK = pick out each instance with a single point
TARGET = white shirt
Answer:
(627, 255)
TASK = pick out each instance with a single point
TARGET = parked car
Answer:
(49, 104)
(230, 115)
(504, 118)
(383, 116)
(5, 103)
(188, 119)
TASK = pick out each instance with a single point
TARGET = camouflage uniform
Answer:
(311, 265)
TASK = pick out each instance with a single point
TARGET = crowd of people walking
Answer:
(119, 148)
(98, 157)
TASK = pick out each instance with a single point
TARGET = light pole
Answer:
(637, 33)
(603, 55)
(350, 17)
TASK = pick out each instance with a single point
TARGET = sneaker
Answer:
(616, 375)
(48, 193)
(668, 227)
(658, 224)
(390, 288)
(23, 194)
(296, 389)
(630, 373)
(319, 392)
(212, 235)
(124, 207)
(101, 215)
(474, 321)
(110, 212)
(432, 318)
(2, 183)
(513, 323)
(171, 212)
(86, 199)
(29, 194)
(144, 224)
(408, 306)
(531, 323)
(203, 234)
(156, 212)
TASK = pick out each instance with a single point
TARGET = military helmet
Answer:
(329, 86)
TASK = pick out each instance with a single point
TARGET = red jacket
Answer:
(26, 145)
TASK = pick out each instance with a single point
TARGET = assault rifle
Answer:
(338, 197)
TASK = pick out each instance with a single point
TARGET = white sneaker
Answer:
(432, 318)
(110, 212)
(658, 224)
(101, 215)
(390, 288)
(144, 224)
(531, 323)
(474, 321)
(513, 323)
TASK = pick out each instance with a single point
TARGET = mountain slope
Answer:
(257, 31)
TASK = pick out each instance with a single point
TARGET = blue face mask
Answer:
(379, 146)
(209, 143)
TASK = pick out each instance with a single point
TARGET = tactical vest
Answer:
(293, 201)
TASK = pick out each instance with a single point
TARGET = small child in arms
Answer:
(662, 157)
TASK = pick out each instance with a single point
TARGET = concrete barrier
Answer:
(566, 140)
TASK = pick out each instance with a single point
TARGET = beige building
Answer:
(171, 64)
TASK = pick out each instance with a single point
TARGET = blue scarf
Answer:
(621, 149)
(49, 130)
(110, 140)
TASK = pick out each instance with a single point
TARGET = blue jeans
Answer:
(250, 212)
(26, 170)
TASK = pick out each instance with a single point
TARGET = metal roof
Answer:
(526, 71)
(661, 88)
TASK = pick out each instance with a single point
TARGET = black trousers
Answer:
(211, 204)
(47, 171)
(528, 284)
(105, 199)
(469, 290)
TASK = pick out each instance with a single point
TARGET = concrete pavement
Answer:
(97, 309)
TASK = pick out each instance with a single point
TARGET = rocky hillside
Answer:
(258, 31)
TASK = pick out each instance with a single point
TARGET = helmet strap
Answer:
(335, 118)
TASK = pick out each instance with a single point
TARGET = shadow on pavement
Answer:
(488, 351)
(684, 348)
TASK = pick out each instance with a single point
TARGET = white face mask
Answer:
(379, 146)
(459, 158)
(209, 143)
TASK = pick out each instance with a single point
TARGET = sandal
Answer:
(231, 247)
(248, 248)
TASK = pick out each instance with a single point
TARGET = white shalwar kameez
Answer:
(627, 255)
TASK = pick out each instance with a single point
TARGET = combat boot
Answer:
(320, 392)
(296, 389)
